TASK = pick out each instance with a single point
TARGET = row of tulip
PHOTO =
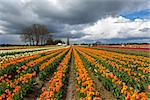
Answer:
(49, 67)
(126, 76)
(12, 65)
(54, 89)
(132, 69)
(84, 84)
(5, 58)
(31, 75)
(17, 88)
(19, 47)
(111, 80)
(26, 67)
(17, 59)
(12, 47)
(17, 51)
(138, 51)
(138, 75)
(130, 60)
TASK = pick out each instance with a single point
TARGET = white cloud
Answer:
(117, 27)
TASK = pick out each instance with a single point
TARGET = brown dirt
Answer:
(107, 95)
(71, 93)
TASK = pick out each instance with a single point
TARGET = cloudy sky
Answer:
(109, 21)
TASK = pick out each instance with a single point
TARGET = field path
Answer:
(107, 95)
(71, 93)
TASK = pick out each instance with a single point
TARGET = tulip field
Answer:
(139, 51)
(73, 73)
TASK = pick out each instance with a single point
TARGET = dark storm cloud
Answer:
(64, 35)
(119, 40)
(57, 14)
(145, 30)
(83, 11)
(78, 12)
(10, 39)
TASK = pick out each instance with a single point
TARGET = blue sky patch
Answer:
(144, 14)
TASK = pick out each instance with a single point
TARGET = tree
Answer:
(35, 34)
(68, 43)
(58, 41)
(27, 36)
(49, 41)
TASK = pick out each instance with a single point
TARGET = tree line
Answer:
(38, 34)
